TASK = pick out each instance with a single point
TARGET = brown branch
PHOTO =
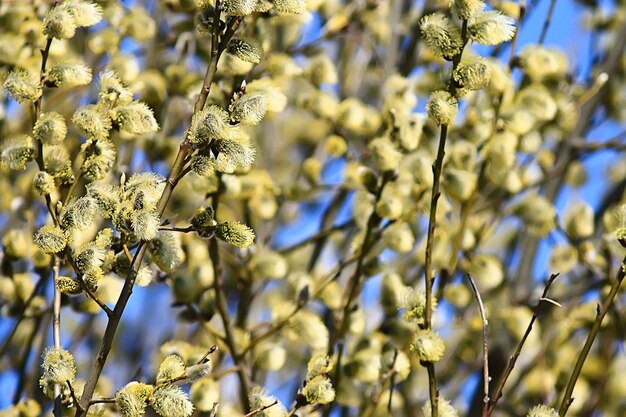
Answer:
(483, 316)
(595, 328)
(520, 345)
(174, 176)
(258, 410)
(56, 330)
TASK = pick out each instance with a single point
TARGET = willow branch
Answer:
(520, 345)
(483, 316)
(595, 328)
(56, 330)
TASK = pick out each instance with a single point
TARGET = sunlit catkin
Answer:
(50, 128)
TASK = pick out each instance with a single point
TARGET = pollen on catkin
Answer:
(235, 233)
(57, 162)
(59, 23)
(16, 152)
(51, 239)
(290, 6)
(195, 372)
(67, 285)
(86, 13)
(442, 35)
(444, 408)
(466, 9)
(238, 7)
(106, 196)
(442, 107)
(68, 75)
(136, 118)
(319, 364)
(50, 128)
(492, 28)
(428, 346)
(260, 398)
(234, 154)
(247, 50)
(250, 109)
(112, 90)
(92, 122)
(43, 183)
(208, 124)
(473, 75)
(99, 158)
(171, 401)
(172, 368)
(542, 411)
(22, 86)
(132, 398)
(166, 252)
(319, 390)
(80, 214)
(203, 165)
(58, 366)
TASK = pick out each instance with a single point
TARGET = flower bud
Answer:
(491, 28)
(100, 156)
(238, 7)
(321, 70)
(268, 264)
(235, 233)
(473, 75)
(112, 89)
(542, 411)
(487, 270)
(319, 390)
(290, 6)
(50, 128)
(578, 220)
(204, 394)
(92, 122)
(59, 23)
(89, 257)
(250, 109)
(172, 368)
(309, 329)
(131, 399)
(259, 398)
(106, 196)
(537, 213)
(442, 36)
(335, 146)
(16, 152)
(138, 25)
(319, 364)
(68, 285)
(51, 239)
(270, 356)
(22, 86)
(171, 401)
(444, 408)
(442, 107)
(247, 50)
(80, 214)
(68, 75)
(58, 366)
(136, 118)
(385, 154)
(399, 237)
(460, 184)
(84, 12)
(166, 252)
(466, 9)
(56, 162)
(428, 345)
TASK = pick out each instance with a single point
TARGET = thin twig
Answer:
(518, 349)
(258, 410)
(56, 330)
(483, 315)
(595, 328)
(546, 23)
(174, 176)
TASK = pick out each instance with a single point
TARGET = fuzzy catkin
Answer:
(442, 35)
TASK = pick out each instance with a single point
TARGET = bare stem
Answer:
(483, 316)
(595, 328)
(174, 176)
(56, 330)
(518, 349)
